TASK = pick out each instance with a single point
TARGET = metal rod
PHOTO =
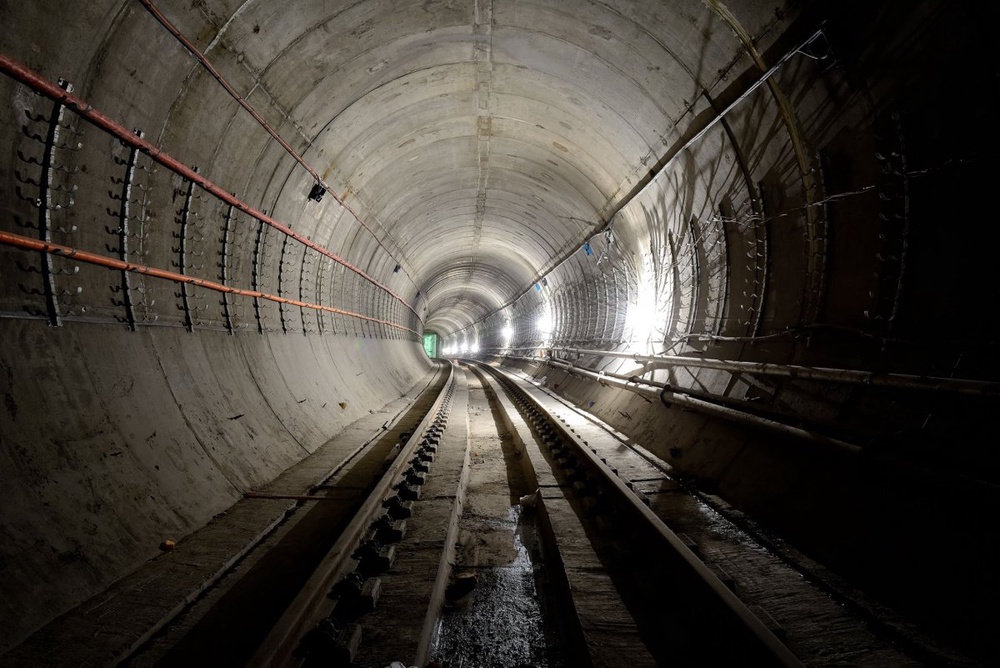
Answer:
(762, 263)
(653, 391)
(229, 89)
(39, 84)
(320, 279)
(182, 255)
(696, 245)
(905, 232)
(302, 295)
(291, 497)
(255, 283)
(894, 380)
(28, 243)
(124, 215)
(45, 205)
(224, 267)
(281, 276)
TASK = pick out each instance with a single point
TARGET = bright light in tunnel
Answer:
(467, 346)
(506, 335)
(641, 320)
(544, 324)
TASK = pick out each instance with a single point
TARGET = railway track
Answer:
(505, 528)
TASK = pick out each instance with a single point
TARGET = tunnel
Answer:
(750, 236)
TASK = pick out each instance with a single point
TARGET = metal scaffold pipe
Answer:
(662, 392)
(875, 379)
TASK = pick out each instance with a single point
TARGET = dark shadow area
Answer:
(229, 632)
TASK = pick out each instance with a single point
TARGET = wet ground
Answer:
(504, 621)
(501, 623)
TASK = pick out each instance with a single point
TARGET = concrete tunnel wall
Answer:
(114, 440)
(787, 235)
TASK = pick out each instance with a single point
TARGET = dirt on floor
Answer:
(496, 614)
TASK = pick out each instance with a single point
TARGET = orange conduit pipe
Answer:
(39, 84)
(193, 50)
(232, 92)
(27, 243)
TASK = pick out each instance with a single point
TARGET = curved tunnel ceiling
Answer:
(833, 222)
(484, 139)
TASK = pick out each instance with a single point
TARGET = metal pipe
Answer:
(27, 243)
(648, 390)
(39, 84)
(877, 379)
(697, 394)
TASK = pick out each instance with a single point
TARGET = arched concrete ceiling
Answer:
(484, 138)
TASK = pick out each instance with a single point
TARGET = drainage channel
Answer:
(499, 605)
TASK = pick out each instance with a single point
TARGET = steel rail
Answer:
(749, 622)
(43, 86)
(27, 243)
(278, 647)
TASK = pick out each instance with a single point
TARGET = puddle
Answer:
(502, 623)
(726, 530)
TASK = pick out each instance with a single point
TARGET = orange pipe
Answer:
(41, 85)
(193, 50)
(27, 243)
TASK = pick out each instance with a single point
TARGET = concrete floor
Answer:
(789, 182)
